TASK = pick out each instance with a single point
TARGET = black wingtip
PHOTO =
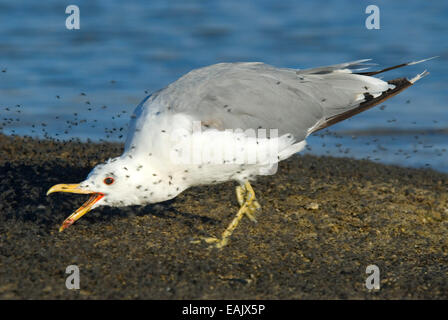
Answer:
(400, 85)
(372, 73)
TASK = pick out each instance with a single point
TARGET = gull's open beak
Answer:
(74, 188)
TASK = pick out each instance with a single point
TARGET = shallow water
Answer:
(50, 76)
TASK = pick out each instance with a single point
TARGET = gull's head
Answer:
(118, 182)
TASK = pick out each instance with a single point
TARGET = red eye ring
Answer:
(108, 180)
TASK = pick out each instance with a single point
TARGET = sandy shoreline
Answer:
(368, 213)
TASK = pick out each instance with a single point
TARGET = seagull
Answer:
(228, 122)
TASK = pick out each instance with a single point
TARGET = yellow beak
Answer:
(74, 188)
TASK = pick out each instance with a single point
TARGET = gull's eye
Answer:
(109, 180)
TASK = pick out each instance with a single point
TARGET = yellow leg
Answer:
(249, 204)
(241, 192)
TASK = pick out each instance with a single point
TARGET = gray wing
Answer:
(256, 95)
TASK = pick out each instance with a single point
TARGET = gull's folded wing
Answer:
(256, 95)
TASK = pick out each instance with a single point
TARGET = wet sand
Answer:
(324, 220)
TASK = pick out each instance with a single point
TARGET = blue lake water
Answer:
(85, 83)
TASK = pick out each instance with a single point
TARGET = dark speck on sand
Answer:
(324, 220)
